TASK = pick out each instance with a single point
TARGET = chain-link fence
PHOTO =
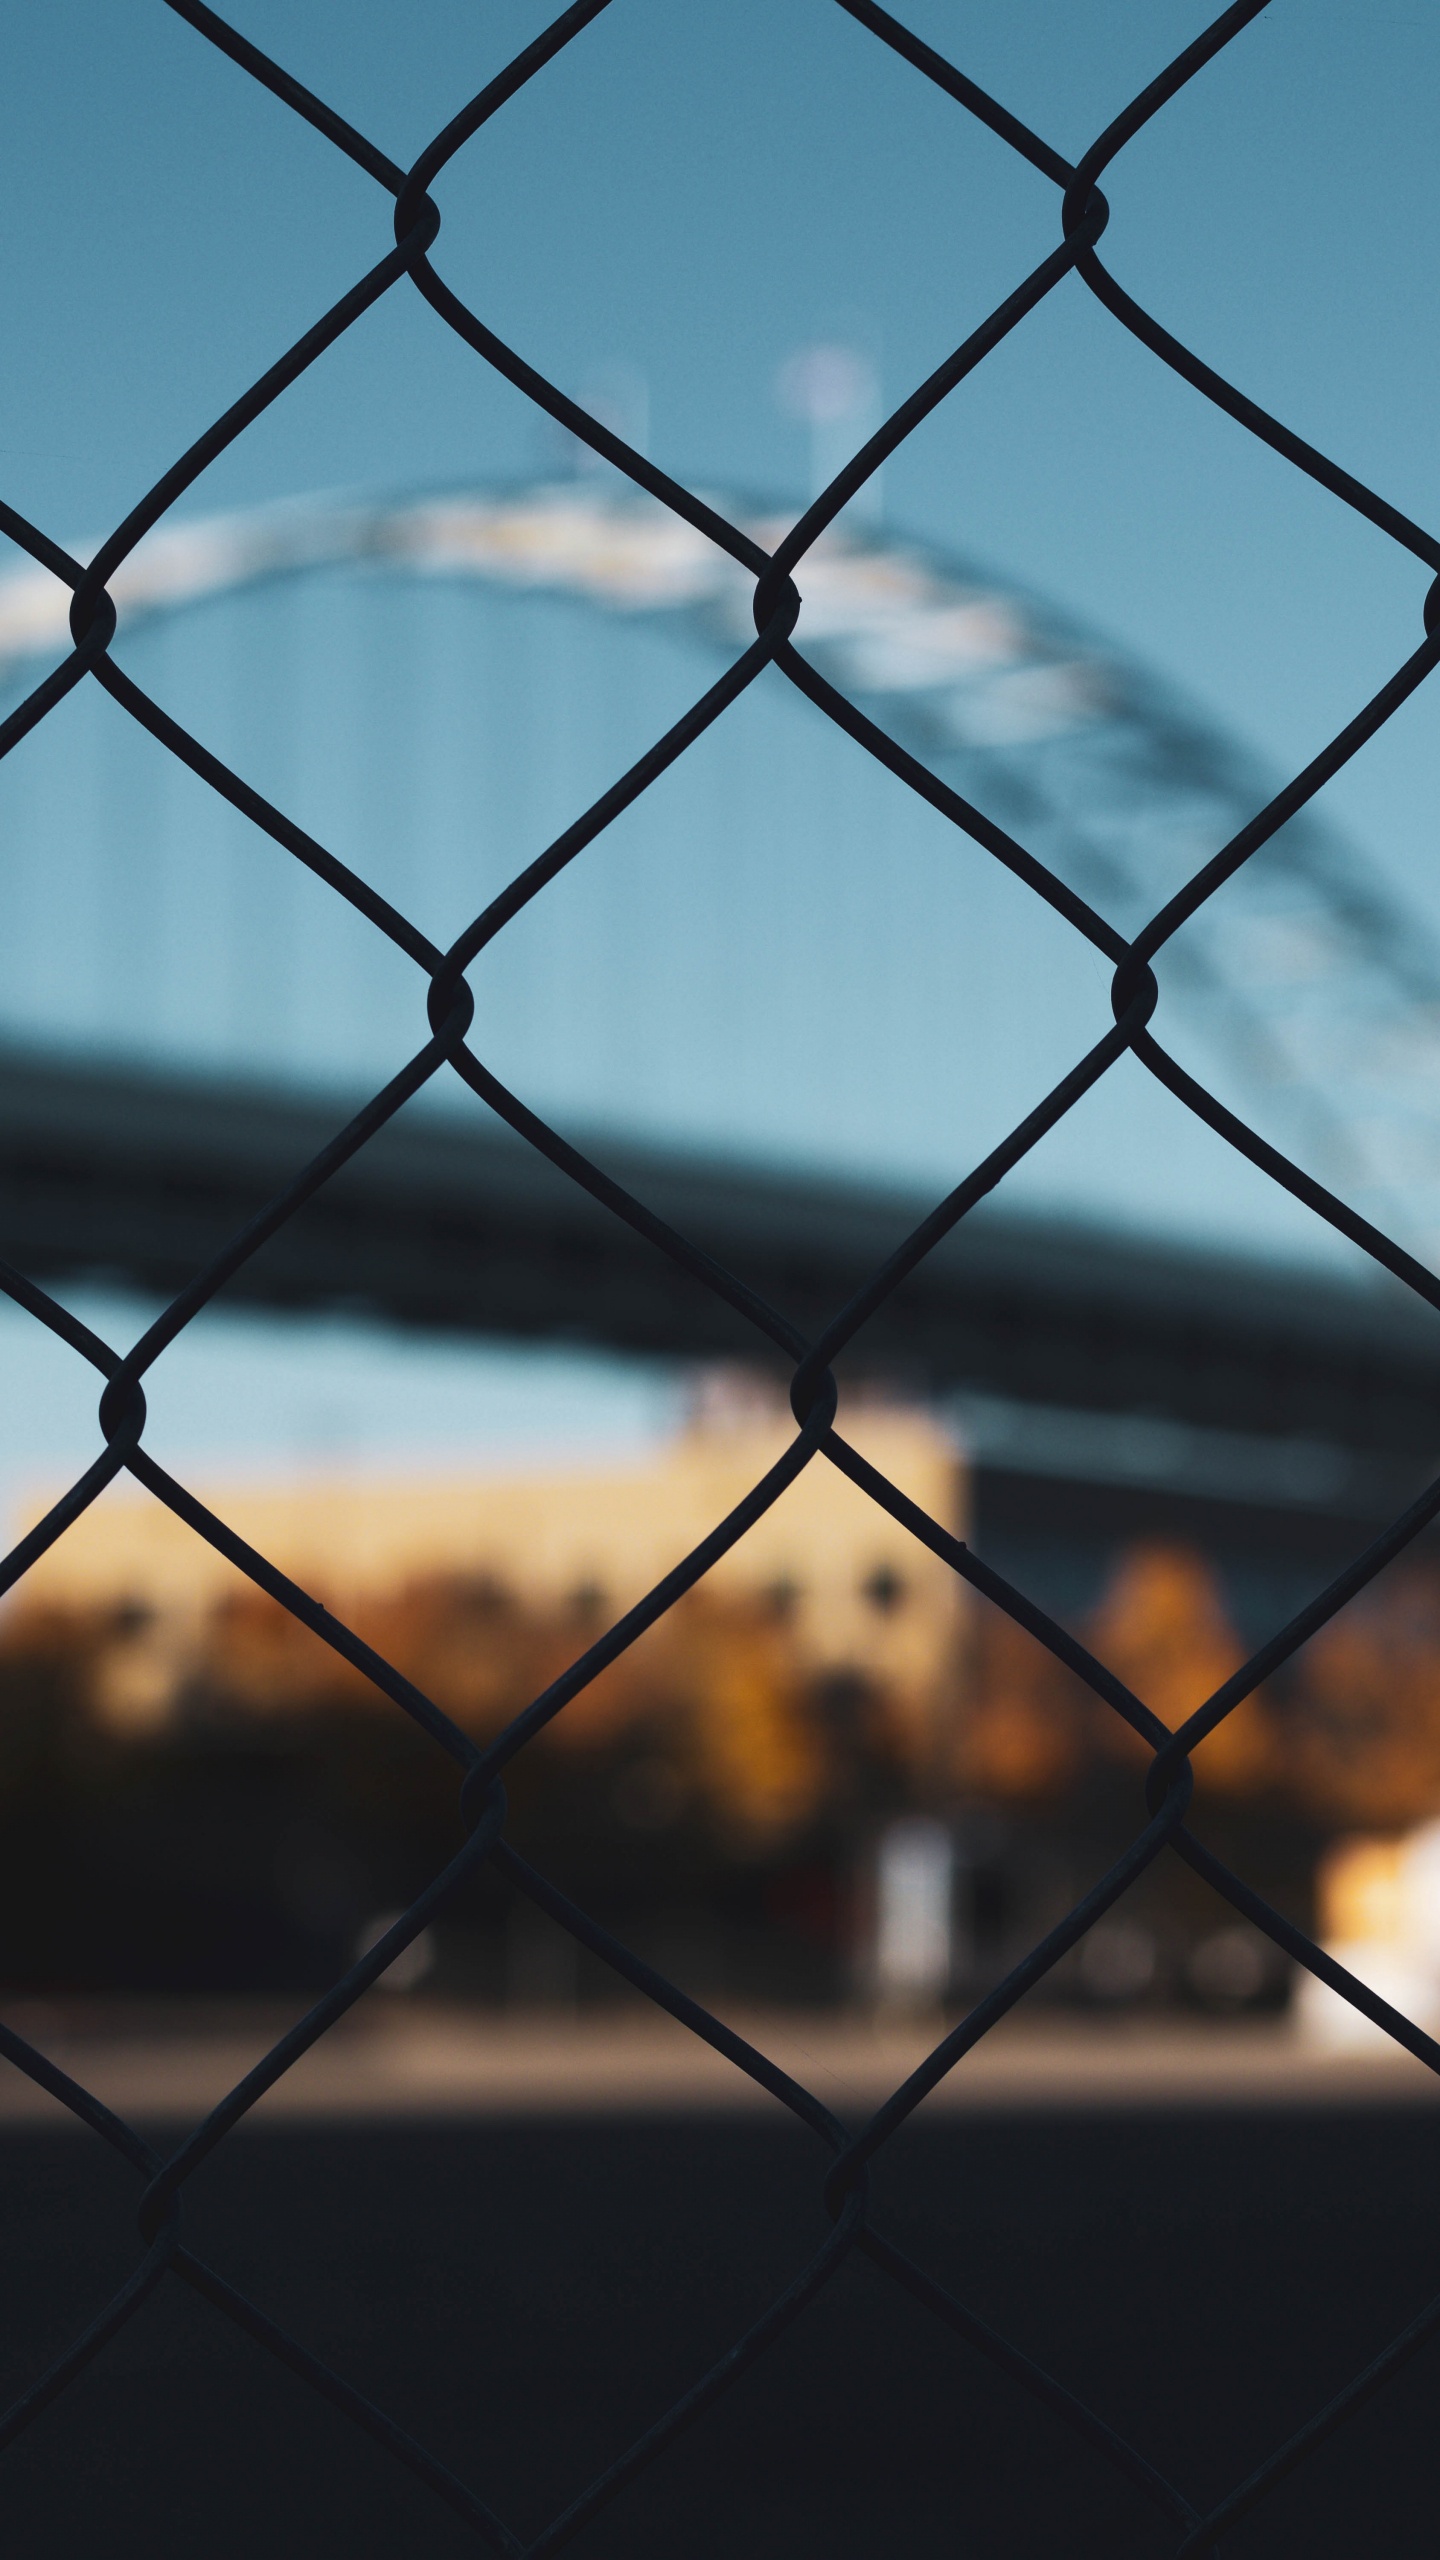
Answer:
(844, 2155)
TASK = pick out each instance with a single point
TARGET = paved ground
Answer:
(526, 2291)
(523, 2237)
(401, 2060)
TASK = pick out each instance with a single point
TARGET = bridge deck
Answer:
(449, 1223)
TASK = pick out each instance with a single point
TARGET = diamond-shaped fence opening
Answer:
(842, 2156)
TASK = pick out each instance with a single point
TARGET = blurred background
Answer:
(782, 999)
(833, 1792)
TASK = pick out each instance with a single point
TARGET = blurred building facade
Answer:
(474, 1587)
(829, 1769)
(717, 1777)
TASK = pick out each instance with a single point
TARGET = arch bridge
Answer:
(433, 684)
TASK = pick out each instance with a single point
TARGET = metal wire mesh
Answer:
(779, 616)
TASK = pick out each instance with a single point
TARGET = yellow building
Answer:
(857, 1594)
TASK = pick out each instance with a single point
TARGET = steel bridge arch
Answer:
(1306, 978)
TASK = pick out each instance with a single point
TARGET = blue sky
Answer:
(691, 193)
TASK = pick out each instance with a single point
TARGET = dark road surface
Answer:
(526, 2296)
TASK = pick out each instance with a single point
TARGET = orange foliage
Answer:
(1032, 1727)
(1024, 1733)
(1365, 1733)
(712, 1699)
(715, 1704)
(1350, 1735)
(1163, 1629)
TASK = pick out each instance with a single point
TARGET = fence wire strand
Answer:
(449, 1007)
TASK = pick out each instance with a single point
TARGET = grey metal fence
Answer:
(1162, 1829)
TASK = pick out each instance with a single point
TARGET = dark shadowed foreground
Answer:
(526, 2294)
